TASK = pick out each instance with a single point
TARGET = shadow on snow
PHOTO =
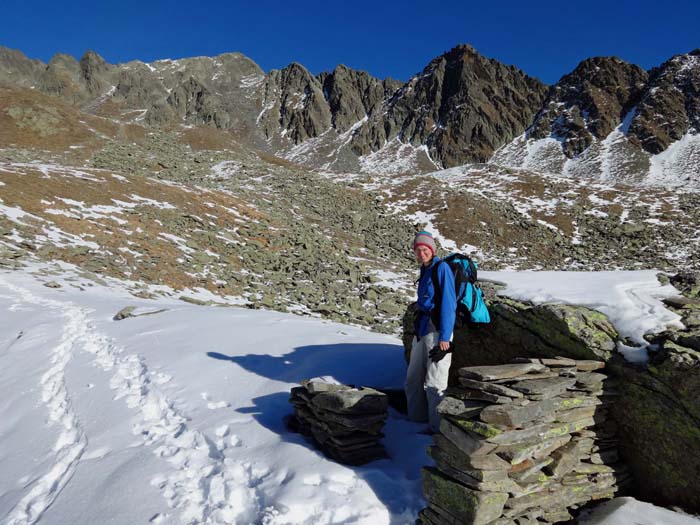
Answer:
(396, 482)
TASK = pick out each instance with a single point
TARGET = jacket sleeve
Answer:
(448, 308)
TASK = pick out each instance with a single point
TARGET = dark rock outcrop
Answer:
(95, 73)
(194, 102)
(670, 106)
(18, 70)
(589, 102)
(299, 109)
(462, 106)
(62, 78)
(659, 425)
(658, 411)
(138, 87)
(352, 95)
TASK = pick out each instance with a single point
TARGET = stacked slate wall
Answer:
(344, 422)
(522, 443)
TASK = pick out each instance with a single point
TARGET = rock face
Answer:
(462, 106)
(670, 106)
(589, 102)
(299, 108)
(536, 452)
(658, 412)
(17, 69)
(352, 95)
(608, 118)
(344, 422)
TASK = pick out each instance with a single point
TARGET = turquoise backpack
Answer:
(471, 307)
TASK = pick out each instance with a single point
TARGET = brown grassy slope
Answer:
(81, 203)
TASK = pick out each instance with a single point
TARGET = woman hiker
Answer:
(429, 364)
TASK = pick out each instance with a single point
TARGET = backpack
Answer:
(471, 307)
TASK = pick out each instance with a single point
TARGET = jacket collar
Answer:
(433, 262)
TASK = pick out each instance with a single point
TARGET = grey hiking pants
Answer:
(426, 381)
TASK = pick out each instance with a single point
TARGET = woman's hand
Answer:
(439, 351)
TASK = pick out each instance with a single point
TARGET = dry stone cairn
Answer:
(522, 443)
(345, 422)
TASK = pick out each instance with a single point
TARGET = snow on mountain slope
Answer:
(679, 165)
(396, 157)
(614, 159)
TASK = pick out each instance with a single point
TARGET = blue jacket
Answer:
(426, 300)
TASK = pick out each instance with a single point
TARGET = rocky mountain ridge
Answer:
(606, 119)
(613, 121)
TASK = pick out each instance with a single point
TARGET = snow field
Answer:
(177, 417)
(212, 421)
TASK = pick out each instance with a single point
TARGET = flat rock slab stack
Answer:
(522, 443)
(345, 422)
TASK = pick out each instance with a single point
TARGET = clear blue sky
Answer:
(546, 39)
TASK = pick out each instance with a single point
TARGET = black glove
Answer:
(436, 354)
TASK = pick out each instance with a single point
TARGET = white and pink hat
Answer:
(424, 239)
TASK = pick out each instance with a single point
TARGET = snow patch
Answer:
(678, 165)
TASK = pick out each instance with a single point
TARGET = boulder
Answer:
(658, 417)
(687, 283)
(124, 313)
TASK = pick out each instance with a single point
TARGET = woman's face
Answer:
(423, 254)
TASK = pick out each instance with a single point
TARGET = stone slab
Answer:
(501, 484)
(481, 465)
(575, 414)
(515, 454)
(492, 388)
(590, 379)
(470, 506)
(549, 387)
(352, 401)
(537, 375)
(479, 428)
(517, 416)
(477, 395)
(530, 471)
(542, 432)
(453, 406)
(565, 460)
(314, 387)
(465, 441)
(557, 362)
(491, 373)
(588, 365)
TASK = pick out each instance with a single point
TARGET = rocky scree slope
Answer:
(160, 208)
(509, 218)
(520, 219)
